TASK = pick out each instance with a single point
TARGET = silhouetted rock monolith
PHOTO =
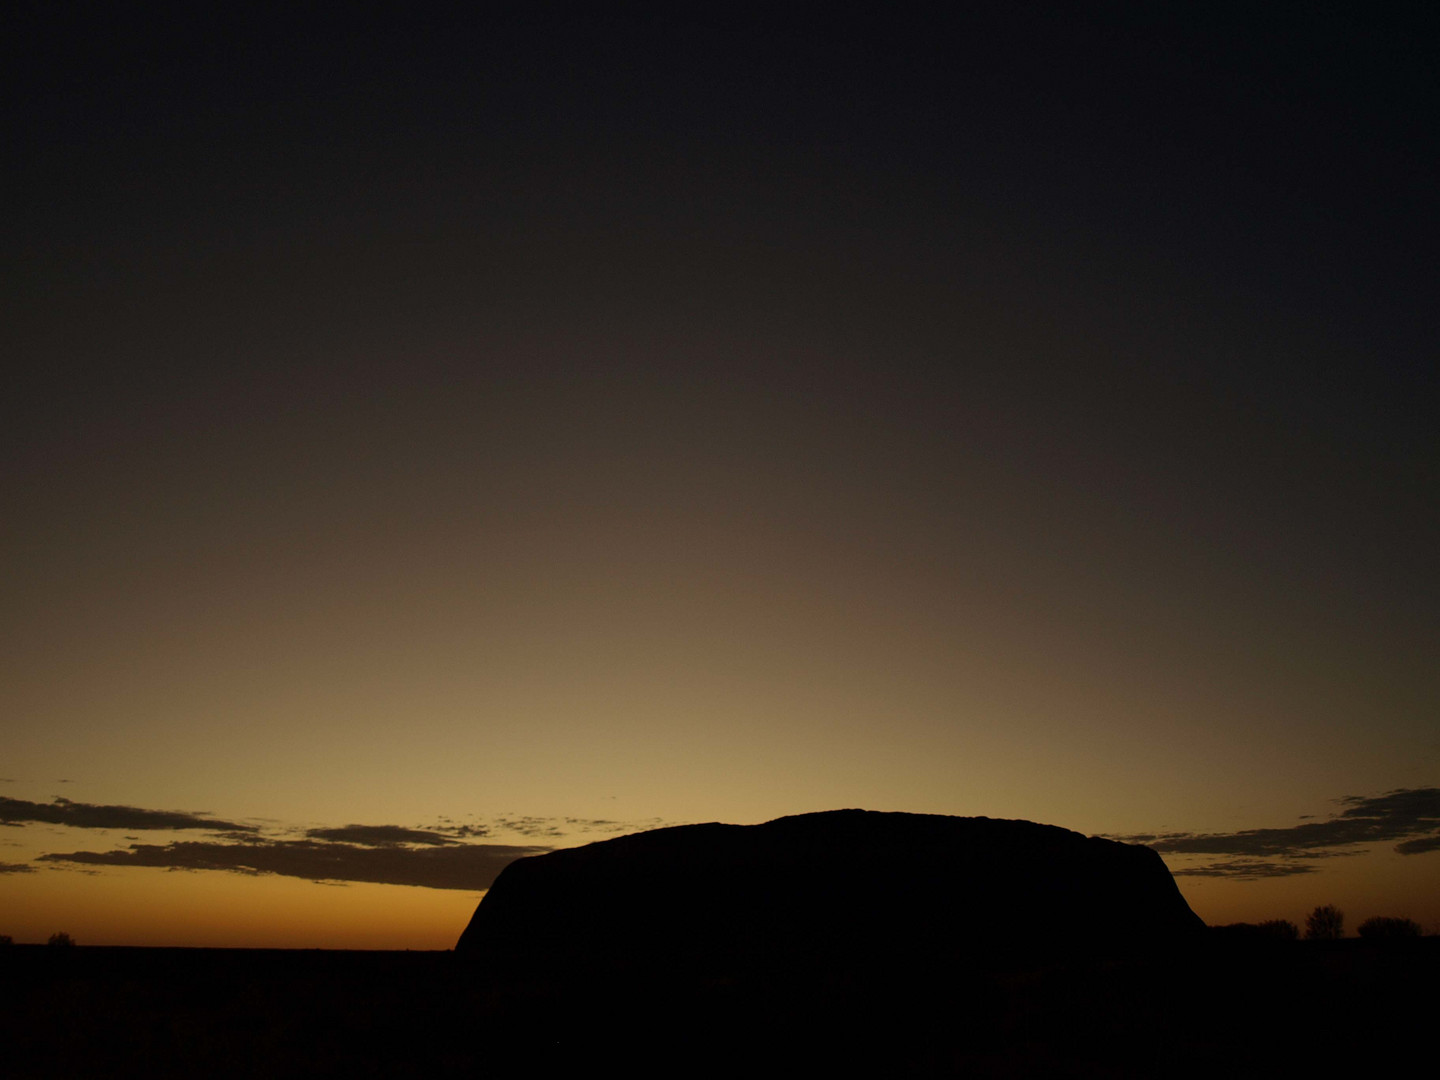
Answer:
(826, 895)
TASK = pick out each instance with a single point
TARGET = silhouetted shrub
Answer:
(6, 939)
(1388, 928)
(1283, 929)
(1326, 923)
(61, 940)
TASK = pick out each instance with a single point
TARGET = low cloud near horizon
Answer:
(92, 816)
(459, 866)
(444, 856)
(385, 835)
(1408, 815)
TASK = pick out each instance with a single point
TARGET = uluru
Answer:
(824, 895)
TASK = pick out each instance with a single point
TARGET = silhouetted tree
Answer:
(1326, 923)
(1283, 929)
(6, 939)
(60, 940)
(1388, 928)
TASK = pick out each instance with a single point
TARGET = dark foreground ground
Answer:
(1249, 1009)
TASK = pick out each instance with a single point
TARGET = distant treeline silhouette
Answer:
(59, 940)
(1388, 928)
(1325, 923)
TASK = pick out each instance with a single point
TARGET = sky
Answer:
(432, 439)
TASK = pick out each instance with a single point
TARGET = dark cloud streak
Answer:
(380, 835)
(530, 826)
(1246, 871)
(1408, 815)
(440, 857)
(466, 867)
(1419, 846)
(92, 816)
(533, 826)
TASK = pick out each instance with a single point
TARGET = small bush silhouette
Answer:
(1388, 928)
(1283, 929)
(61, 940)
(1326, 923)
(6, 939)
